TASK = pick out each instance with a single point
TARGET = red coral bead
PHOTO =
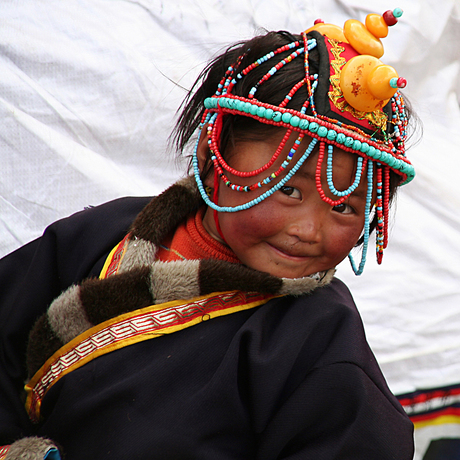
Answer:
(389, 18)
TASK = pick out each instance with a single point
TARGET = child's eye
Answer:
(291, 191)
(343, 208)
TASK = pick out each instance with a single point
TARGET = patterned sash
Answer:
(130, 328)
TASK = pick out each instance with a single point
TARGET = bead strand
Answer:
(386, 206)
(257, 200)
(318, 173)
(330, 182)
(370, 186)
(273, 70)
(379, 211)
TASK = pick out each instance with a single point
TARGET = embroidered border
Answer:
(3, 451)
(131, 328)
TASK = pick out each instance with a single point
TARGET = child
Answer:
(207, 322)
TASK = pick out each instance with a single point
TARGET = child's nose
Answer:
(306, 226)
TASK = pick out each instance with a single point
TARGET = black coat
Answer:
(292, 379)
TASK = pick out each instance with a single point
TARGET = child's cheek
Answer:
(260, 221)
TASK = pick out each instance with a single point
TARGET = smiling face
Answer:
(293, 233)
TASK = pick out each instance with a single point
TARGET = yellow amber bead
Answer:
(378, 82)
(376, 25)
(361, 39)
(329, 30)
(353, 82)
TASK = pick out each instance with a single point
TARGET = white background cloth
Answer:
(88, 94)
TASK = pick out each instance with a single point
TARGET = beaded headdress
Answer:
(353, 103)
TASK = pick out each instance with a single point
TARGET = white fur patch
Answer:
(174, 280)
(300, 286)
(67, 316)
(139, 253)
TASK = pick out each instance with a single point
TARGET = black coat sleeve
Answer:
(31, 277)
(316, 389)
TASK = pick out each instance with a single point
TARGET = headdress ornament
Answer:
(353, 103)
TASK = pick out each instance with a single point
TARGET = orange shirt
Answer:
(192, 241)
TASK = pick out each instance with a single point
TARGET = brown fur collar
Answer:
(141, 281)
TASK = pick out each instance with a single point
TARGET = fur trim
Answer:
(42, 344)
(105, 299)
(175, 280)
(167, 211)
(139, 253)
(301, 286)
(67, 316)
(141, 281)
(33, 448)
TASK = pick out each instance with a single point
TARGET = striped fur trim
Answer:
(141, 282)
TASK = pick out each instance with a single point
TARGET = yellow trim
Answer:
(131, 340)
(442, 420)
(107, 262)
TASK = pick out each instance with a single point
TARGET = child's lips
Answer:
(291, 254)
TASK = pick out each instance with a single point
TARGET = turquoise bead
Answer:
(303, 124)
(364, 147)
(286, 117)
(247, 107)
(253, 110)
(357, 145)
(239, 106)
(322, 131)
(295, 121)
(261, 112)
(332, 135)
(269, 114)
(276, 116)
(341, 138)
(349, 141)
(313, 127)
(378, 155)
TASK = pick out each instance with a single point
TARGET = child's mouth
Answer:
(293, 255)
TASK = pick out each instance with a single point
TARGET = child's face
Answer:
(293, 233)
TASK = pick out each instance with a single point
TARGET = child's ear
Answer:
(204, 157)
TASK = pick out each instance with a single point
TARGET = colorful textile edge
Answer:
(131, 328)
(433, 407)
(435, 413)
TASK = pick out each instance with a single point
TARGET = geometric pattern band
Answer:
(130, 328)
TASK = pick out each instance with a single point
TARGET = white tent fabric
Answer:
(88, 94)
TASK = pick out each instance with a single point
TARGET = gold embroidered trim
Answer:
(130, 328)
